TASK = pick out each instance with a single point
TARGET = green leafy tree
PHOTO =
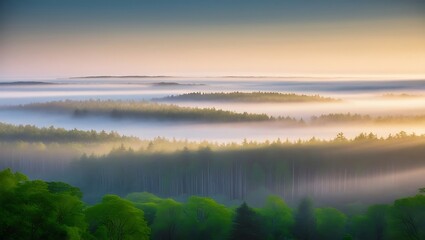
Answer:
(246, 224)
(143, 197)
(205, 219)
(147, 202)
(407, 219)
(168, 221)
(330, 223)
(277, 218)
(117, 218)
(305, 221)
(30, 210)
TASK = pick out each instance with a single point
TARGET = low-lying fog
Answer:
(221, 132)
(365, 97)
(371, 180)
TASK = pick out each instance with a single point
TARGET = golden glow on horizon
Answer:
(388, 48)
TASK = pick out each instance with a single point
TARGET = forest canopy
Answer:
(35, 209)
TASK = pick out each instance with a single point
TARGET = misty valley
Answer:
(212, 120)
(169, 158)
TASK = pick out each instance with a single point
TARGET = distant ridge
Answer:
(21, 83)
(168, 76)
(177, 84)
(126, 76)
(342, 78)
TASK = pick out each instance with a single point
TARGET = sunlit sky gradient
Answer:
(50, 38)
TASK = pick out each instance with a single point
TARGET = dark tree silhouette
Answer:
(246, 224)
(305, 221)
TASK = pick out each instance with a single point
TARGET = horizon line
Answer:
(353, 77)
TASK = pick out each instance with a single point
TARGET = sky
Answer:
(50, 38)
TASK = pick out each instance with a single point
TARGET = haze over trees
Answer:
(251, 97)
(242, 171)
(148, 110)
(344, 118)
(143, 110)
(29, 133)
(330, 171)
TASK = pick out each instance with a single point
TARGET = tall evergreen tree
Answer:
(305, 221)
(246, 224)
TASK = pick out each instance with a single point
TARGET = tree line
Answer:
(360, 118)
(148, 110)
(144, 110)
(251, 97)
(54, 210)
(30, 133)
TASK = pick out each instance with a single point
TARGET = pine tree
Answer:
(305, 221)
(246, 224)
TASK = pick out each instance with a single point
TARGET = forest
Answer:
(332, 171)
(36, 209)
(254, 97)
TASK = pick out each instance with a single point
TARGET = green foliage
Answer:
(143, 197)
(373, 224)
(119, 218)
(30, 210)
(61, 187)
(53, 210)
(246, 224)
(203, 218)
(9, 180)
(277, 219)
(331, 223)
(147, 202)
(168, 220)
(408, 218)
(149, 209)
